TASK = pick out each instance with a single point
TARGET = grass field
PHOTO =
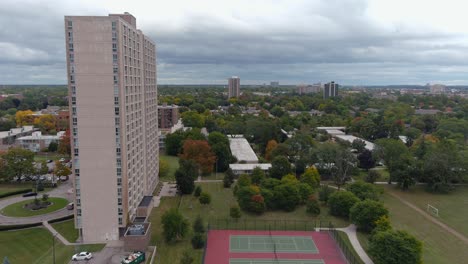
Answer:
(438, 245)
(221, 201)
(452, 207)
(17, 210)
(173, 162)
(35, 246)
(384, 174)
(7, 187)
(345, 238)
(67, 230)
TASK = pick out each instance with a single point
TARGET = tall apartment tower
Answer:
(234, 87)
(114, 121)
(330, 90)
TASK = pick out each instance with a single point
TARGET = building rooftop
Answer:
(369, 145)
(16, 131)
(240, 148)
(38, 136)
(250, 166)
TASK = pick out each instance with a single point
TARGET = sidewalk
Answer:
(58, 235)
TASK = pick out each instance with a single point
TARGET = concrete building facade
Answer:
(330, 90)
(168, 115)
(233, 87)
(111, 68)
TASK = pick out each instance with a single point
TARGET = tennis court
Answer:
(279, 244)
(276, 261)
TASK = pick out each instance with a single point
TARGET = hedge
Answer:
(15, 193)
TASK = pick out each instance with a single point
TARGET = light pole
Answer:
(53, 245)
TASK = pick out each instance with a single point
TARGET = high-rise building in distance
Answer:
(168, 115)
(234, 87)
(306, 89)
(330, 90)
(114, 121)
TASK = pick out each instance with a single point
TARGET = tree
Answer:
(61, 169)
(43, 169)
(197, 191)
(365, 214)
(198, 226)
(286, 196)
(200, 152)
(280, 166)
(344, 162)
(372, 176)
(364, 190)
(235, 212)
(163, 168)
(205, 198)
(257, 176)
(325, 192)
(271, 145)
(24, 118)
(185, 176)
(173, 142)
(244, 196)
(341, 202)
(186, 258)
(193, 119)
(312, 206)
(53, 146)
(175, 226)
(244, 180)
(394, 153)
(304, 192)
(382, 224)
(46, 123)
(228, 178)
(18, 162)
(64, 146)
(257, 204)
(311, 177)
(198, 240)
(395, 247)
(359, 145)
(366, 160)
(220, 145)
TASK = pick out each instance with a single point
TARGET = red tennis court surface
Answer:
(218, 247)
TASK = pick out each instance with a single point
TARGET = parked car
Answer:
(64, 178)
(82, 256)
(42, 178)
(70, 206)
(29, 194)
(49, 161)
(62, 160)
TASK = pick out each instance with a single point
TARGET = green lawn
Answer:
(438, 245)
(384, 174)
(17, 210)
(452, 207)
(221, 201)
(353, 252)
(7, 187)
(34, 246)
(67, 230)
(173, 162)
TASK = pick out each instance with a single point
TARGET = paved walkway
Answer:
(63, 191)
(57, 234)
(431, 218)
(352, 235)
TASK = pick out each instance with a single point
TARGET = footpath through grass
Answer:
(67, 230)
(34, 246)
(221, 200)
(18, 210)
(438, 245)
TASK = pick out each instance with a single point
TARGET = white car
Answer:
(82, 256)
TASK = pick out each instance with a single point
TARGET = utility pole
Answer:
(53, 245)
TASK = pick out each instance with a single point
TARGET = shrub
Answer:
(198, 226)
(286, 197)
(244, 195)
(372, 176)
(198, 240)
(257, 204)
(235, 212)
(175, 226)
(15, 193)
(365, 214)
(382, 224)
(312, 177)
(205, 198)
(390, 247)
(40, 186)
(244, 180)
(364, 190)
(228, 178)
(269, 198)
(186, 258)
(341, 202)
(325, 192)
(197, 191)
(313, 206)
(257, 176)
(304, 192)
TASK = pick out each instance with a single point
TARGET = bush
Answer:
(244, 180)
(312, 177)
(304, 192)
(325, 192)
(205, 198)
(198, 240)
(365, 214)
(382, 224)
(313, 206)
(257, 204)
(197, 191)
(364, 190)
(198, 226)
(257, 176)
(341, 202)
(175, 226)
(244, 196)
(228, 178)
(286, 197)
(395, 247)
(269, 198)
(15, 193)
(235, 212)
(186, 258)
(372, 176)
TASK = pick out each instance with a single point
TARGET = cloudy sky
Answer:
(354, 42)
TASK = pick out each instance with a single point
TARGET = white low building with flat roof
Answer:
(247, 168)
(8, 138)
(241, 149)
(36, 142)
(369, 145)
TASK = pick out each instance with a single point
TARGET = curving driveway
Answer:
(63, 191)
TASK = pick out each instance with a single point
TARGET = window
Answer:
(114, 58)
(70, 46)
(70, 24)
(115, 79)
(114, 36)
(116, 70)
(76, 152)
(114, 47)
(114, 25)
(72, 79)
(71, 57)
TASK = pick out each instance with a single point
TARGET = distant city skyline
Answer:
(355, 42)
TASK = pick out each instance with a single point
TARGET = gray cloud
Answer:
(304, 41)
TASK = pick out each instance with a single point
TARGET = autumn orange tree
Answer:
(271, 145)
(64, 144)
(200, 152)
(46, 123)
(24, 118)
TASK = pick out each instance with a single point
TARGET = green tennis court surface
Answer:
(281, 244)
(276, 261)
